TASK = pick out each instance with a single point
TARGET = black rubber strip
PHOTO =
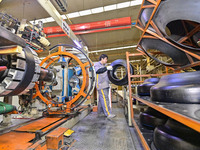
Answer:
(28, 74)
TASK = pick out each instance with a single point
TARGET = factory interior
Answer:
(99, 75)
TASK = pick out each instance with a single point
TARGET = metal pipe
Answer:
(46, 75)
(3, 68)
(6, 108)
(91, 25)
(90, 31)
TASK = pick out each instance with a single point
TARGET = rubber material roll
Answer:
(152, 118)
(111, 73)
(144, 89)
(177, 56)
(168, 139)
(178, 88)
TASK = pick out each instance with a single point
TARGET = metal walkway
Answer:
(100, 133)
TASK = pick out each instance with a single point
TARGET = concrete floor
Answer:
(100, 133)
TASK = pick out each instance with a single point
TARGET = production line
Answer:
(127, 83)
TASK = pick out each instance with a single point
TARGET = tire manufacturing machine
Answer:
(23, 74)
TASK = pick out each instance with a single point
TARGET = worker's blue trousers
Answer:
(103, 103)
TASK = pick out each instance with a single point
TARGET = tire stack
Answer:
(183, 88)
(174, 19)
(144, 89)
(151, 117)
(175, 136)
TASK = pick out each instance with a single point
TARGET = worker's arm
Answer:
(101, 70)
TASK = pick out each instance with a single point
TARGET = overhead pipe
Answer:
(90, 31)
(92, 27)
(3, 68)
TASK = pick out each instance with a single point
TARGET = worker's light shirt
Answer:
(102, 79)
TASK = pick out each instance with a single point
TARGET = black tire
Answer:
(172, 10)
(152, 80)
(178, 88)
(175, 10)
(180, 128)
(145, 15)
(166, 139)
(144, 89)
(179, 58)
(152, 118)
(111, 73)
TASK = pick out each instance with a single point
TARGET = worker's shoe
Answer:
(111, 116)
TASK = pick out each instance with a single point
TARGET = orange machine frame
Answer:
(66, 107)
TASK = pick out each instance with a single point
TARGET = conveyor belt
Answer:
(39, 124)
(23, 137)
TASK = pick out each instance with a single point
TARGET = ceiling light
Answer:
(110, 7)
(64, 16)
(112, 49)
(136, 2)
(85, 12)
(73, 15)
(123, 5)
(97, 10)
(49, 19)
(43, 20)
(34, 22)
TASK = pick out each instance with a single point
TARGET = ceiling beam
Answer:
(48, 6)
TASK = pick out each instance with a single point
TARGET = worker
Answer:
(103, 86)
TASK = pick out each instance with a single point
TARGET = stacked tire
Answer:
(144, 89)
(175, 136)
(182, 88)
(151, 118)
(174, 19)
